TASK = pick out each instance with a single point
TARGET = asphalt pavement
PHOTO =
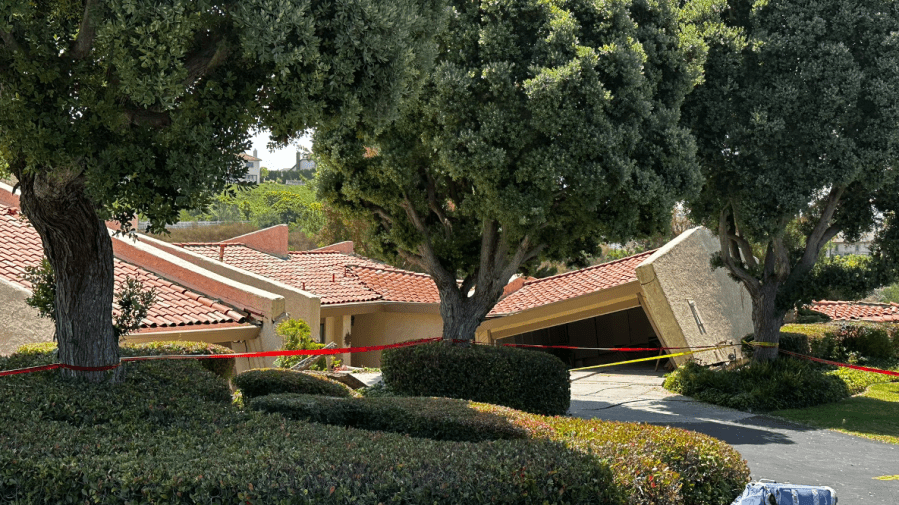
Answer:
(773, 448)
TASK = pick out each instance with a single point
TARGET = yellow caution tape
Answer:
(887, 477)
(651, 358)
(759, 344)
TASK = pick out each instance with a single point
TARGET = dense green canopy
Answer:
(797, 122)
(111, 108)
(546, 128)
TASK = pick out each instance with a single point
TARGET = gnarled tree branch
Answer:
(212, 53)
(751, 283)
(9, 40)
(87, 32)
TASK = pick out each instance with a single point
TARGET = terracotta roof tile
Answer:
(334, 276)
(858, 311)
(175, 305)
(397, 285)
(537, 292)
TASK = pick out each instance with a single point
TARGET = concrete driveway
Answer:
(774, 449)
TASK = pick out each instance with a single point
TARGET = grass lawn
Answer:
(873, 414)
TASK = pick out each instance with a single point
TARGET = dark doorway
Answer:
(626, 328)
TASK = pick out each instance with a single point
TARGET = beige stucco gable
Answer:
(692, 304)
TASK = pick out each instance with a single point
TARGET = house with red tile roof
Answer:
(669, 297)
(191, 304)
(362, 302)
(235, 292)
(857, 311)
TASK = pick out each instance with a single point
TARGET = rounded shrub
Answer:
(780, 384)
(434, 418)
(266, 381)
(527, 380)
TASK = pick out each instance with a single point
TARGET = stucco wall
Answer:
(680, 273)
(19, 323)
(388, 328)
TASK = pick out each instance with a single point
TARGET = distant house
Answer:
(839, 246)
(300, 172)
(253, 167)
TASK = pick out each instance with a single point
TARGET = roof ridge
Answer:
(389, 268)
(859, 302)
(591, 267)
(348, 270)
(193, 244)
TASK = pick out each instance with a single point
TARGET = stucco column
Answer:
(337, 330)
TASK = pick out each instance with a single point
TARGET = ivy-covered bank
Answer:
(171, 434)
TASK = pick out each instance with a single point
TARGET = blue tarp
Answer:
(774, 493)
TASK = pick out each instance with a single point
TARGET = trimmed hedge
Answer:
(169, 434)
(265, 381)
(527, 380)
(781, 384)
(45, 353)
(434, 418)
(844, 341)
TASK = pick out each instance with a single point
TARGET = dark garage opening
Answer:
(626, 328)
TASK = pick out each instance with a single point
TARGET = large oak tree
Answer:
(546, 128)
(111, 108)
(797, 125)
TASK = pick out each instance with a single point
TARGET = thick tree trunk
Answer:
(462, 316)
(766, 320)
(78, 246)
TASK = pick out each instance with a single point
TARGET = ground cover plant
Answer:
(872, 414)
(170, 433)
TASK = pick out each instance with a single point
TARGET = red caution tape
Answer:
(265, 354)
(844, 365)
(622, 349)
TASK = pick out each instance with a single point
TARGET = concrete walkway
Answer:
(774, 449)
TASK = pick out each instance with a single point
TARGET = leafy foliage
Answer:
(121, 108)
(546, 128)
(131, 301)
(153, 104)
(796, 129)
(169, 433)
(532, 381)
(43, 289)
(297, 336)
(759, 387)
(848, 340)
(434, 418)
(266, 381)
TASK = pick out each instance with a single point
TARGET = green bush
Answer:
(527, 380)
(297, 336)
(849, 340)
(781, 384)
(265, 381)
(434, 418)
(169, 434)
(45, 353)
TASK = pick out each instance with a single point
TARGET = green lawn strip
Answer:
(873, 414)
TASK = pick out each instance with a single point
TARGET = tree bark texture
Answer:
(78, 247)
(766, 320)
